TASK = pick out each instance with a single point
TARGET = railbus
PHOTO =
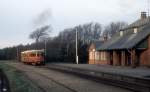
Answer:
(34, 57)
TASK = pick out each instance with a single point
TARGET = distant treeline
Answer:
(62, 47)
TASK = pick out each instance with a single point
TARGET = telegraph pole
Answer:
(148, 7)
(17, 54)
(45, 50)
(76, 47)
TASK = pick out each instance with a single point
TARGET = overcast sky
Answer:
(17, 17)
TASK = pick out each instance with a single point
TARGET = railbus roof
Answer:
(32, 51)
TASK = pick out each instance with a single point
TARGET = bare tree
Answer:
(90, 32)
(40, 33)
(113, 27)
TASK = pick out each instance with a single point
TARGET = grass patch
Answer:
(18, 82)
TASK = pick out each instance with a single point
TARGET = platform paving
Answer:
(142, 72)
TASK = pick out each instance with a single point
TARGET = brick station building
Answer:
(94, 54)
(129, 47)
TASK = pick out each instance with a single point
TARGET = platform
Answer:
(135, 79)
(142, 72)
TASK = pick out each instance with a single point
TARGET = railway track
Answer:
(42, 76)
(40, 88)
(127, 82)
(69, 88)
(55, 81)
(4, 83)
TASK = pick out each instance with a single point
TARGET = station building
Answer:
(128, 47)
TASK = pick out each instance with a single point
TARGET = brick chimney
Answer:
(143, 15)
(105, 38)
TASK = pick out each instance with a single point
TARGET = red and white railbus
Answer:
(34, 57)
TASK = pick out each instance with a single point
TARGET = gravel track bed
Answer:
(54, 81)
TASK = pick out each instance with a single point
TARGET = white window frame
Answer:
(135, 30)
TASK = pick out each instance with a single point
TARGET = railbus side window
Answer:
(42, 54)
(38, 54)
(32, 55)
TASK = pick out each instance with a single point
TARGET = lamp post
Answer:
(77, 47)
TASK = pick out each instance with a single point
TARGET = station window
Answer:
(96, 55)
(135, 30)
(91, 55)
(121, 33)
(103, 56)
